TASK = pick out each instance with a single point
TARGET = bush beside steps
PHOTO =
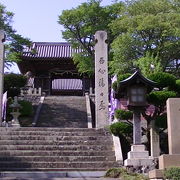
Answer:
(123, 174)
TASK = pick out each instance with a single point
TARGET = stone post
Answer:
(155, 144)
(101, 79)
(2, 38)
(173, 116)
(136, 128)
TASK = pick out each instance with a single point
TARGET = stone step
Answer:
(56, 138)
(57, 158)
(17, 164)
(55, 153)
(39, 142)
(55, 169)
(46, 129)
(56, 147)
(53, 175)
(63, 112)
(59, 117)
(51, 133)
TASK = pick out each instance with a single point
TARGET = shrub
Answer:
(123, 114)
(161, 121)
(178, 86)
(163, 79)
(13, 83)
(159, 98)
(124, 132)
(26, 111)
(115, 172)
(124, 174)
(26, 108)
(172, 173)
(121, 128)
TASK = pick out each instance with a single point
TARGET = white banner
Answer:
(4, 103)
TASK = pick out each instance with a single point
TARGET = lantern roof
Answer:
(136, 79)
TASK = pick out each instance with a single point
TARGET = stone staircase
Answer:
(64, 112)
(56, 149)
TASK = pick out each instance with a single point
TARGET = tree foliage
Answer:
(164, 80)
(147, 29)
(166, 84)
(172, 173)
(121, 128)
(80, 25)
(159, 98)
(149, 64)
(178, 86)
(14, 42)
(13, 83)
(123, 114)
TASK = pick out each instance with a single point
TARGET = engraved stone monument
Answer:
(101, 79)
(155, 144)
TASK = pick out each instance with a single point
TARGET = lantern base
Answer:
(15, 121)
(138, 157)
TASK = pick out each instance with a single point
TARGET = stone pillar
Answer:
(2, 38)
(136, 127)
(155, 144)
(101, 79)
(173, 118)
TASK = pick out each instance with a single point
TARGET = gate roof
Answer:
(42, 57)
(50, 50)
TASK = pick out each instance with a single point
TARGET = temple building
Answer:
(52, 68)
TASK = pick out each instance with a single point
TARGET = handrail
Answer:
(88, 108)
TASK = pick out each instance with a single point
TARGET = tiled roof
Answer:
(50, 50)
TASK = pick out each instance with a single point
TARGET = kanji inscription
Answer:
(101, 79)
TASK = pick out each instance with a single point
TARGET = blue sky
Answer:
(37, 19)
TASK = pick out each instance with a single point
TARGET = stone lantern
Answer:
(15, 112)
(134, 89)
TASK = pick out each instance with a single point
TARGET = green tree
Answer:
(80, 25)
(147, 29)
(14, 42)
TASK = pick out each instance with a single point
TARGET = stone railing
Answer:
(88, 107)
(31, 91)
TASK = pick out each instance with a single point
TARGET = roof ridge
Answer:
(53, 43)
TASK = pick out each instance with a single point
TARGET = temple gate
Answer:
(53, 70)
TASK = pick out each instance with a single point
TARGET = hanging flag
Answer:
(114, 102)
